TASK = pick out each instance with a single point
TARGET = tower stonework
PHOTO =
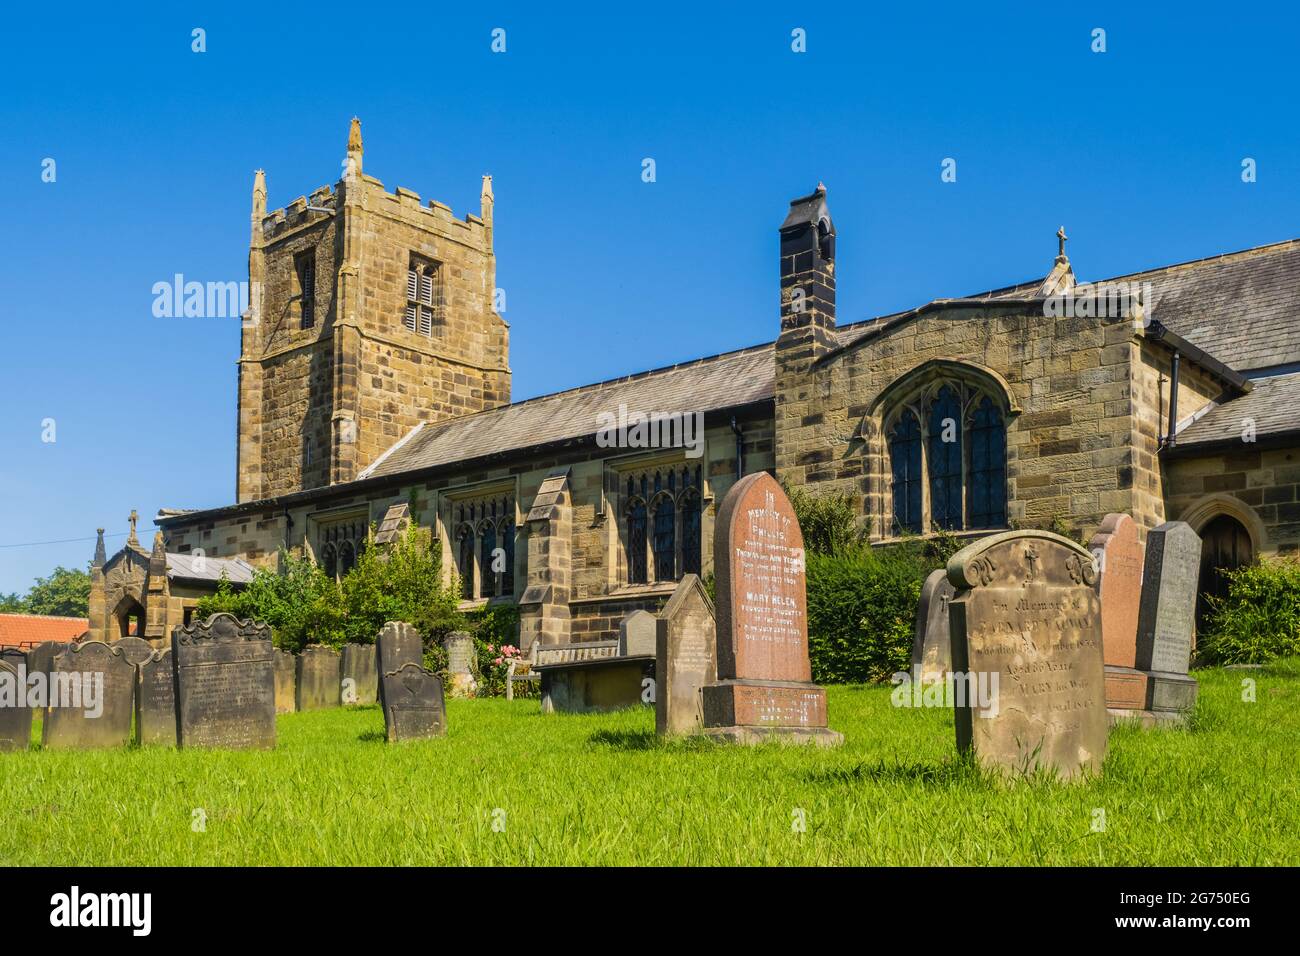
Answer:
(368, 313)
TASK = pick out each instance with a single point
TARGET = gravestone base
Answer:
(1126, 688)
(1147, 718)
(1167, 693)
(595, 686)
(755, 711)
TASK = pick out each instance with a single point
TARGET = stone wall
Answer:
(1260, 487)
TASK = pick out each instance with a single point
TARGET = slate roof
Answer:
(722, 381)
(1273, 404)
(28, 630)
(187, 567)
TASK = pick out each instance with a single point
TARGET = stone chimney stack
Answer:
(807, 286)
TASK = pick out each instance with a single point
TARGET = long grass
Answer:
(511, 786)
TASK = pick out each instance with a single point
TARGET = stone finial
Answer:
(485, 197)
(158, 561)
(131, 539)
(100, 556)
(259, 195)
(355, 148)
(1061, 258)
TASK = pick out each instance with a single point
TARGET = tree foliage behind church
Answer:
(63, 593)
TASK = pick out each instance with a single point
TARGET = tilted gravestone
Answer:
(1118, 555)
(932, 647)
(1026, 647)
(15, 714)
(319, 678)
(155, 700)
(360, 674)
(638, 634)
(14, 656)
(764, 688)
(1167, 615)
(686, 658)
(460, 664)
(398, 643)
(40, 659)
(91, 698)
(413, 704)
(225, 683)
(285, 682)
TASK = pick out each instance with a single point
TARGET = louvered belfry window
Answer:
(423, 296)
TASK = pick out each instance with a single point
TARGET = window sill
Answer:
(658, 589)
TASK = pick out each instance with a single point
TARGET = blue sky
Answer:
(1137, 151)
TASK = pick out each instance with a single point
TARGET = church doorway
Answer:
(1225, 547)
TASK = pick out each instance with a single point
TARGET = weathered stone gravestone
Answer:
(285, 682)
(225, 683)
(136, 650)
(638, 634)
(932, 647)
(764, 688)
(360, 674)
(398, 643)
(155, 700)
(1118, 555)
(91, 697)
(460, 664)
(319, 678)
(15, 714)
(413, 704)
(1167, 616)
(686, 658)
(14, 656)
(40, 659)
(1026, 654)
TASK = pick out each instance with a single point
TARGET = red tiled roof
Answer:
(28, 630)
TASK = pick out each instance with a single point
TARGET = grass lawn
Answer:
(601, 789)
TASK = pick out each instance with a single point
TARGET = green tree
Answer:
(402, 582)
(302, 604)
(64, 593)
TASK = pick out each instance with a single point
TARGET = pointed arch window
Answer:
(488, 577)
(665, 543)
(905, 459)
(691, 532)
(987, 479)
(947, 452)
(465, 563)
(636, 542)
(945, 460)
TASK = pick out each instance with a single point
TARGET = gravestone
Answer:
(91, 697)
(413, 704)
(764, 688)
(638, 634)
(40, 659)
(398, 643)
(15, 714)
(1118, 554)
(360, 674)
(136, 650)
(1026, 649)
(285, 682)
(460, 664)
(155, 700)
(225, 683)
(686, 658)
(932, 647)
(319, 678)
(14, 656)
(1167, 616)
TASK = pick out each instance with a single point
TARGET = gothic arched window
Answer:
(347, 558)
(636, 542)
(665, 543)
(945, 460)
(508, 545)
(465, 563)
(986, 482)
(905, 460)
(329, 560)
(691, 533)
(488, 578)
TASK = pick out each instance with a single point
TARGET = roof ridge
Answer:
(43, 617)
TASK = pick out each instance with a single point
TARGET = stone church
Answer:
(374, 390)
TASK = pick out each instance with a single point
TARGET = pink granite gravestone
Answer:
(1118, 555)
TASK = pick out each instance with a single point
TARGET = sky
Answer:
(1137, 150)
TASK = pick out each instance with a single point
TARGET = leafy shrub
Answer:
(827, 520)
(299, 601)
(496, 642)
(1259, 620)
(862, 612)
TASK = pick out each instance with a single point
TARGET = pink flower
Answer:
(498, 661)
(490, 648)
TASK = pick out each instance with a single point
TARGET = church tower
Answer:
(368, 313)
